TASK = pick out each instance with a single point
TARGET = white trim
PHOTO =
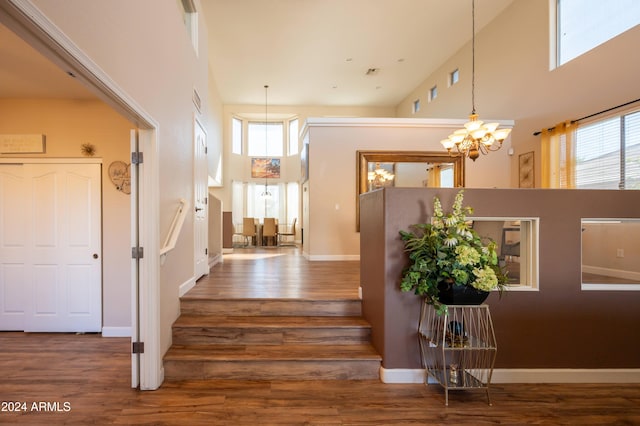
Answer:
(215, 259)
(615, 273)
(526, 375)
(330, 257)
(610, 287)
(186, 286)
(116, 331)
(49, 160)
(151, 370)
(402, 375)
(453, 123)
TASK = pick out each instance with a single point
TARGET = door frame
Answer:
(28, 22)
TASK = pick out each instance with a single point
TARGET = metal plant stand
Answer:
(458, 348)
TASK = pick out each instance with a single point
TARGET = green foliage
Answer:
(448, 249)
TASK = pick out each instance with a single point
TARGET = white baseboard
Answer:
(533, 375)
(116, 331)
(214, 260)
(186, 286)
(329, 257)
(608, 272)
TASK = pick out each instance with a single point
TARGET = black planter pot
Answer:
(451, 294)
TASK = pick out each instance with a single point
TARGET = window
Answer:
(190, 19)
(610, 253)
(258, 146)
(248, 201)
(236, 136)
(517, 240)
(454, 77)
(416, 106)
(433, 93)
(585, 24)
(293, 137)
(259, 206)
(608, 153)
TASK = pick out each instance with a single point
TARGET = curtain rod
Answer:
(592, 115)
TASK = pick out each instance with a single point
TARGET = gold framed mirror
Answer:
(407, 169)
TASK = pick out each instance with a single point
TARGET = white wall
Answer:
(67, 124)
(144, 48)
(331, 229)
(514, 80)
(238, 167)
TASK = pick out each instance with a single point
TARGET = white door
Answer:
(200, 180)
(60, 278)
(13, 247)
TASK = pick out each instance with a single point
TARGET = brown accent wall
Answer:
(559, 326)
(227, 230)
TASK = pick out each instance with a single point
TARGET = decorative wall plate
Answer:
(120, 175)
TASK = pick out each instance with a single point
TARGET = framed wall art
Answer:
(265, 168)
(526, 171)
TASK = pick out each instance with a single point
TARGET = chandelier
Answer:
(477, 137)
(266, 193)
(379, 176)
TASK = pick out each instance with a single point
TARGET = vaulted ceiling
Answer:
(310, 52)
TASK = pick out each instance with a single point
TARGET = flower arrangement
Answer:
(448, 250)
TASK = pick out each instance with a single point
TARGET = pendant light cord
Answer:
(473, 56)
(266, 132)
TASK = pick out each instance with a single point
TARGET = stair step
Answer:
(270, 307)
(270, 330)
(267, 362)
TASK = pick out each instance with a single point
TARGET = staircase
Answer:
(271, 339)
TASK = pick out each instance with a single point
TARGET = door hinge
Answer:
(206, 200)
(137, 348)
(137, 157)
(137, 252)
(206, 150)
(206, 251)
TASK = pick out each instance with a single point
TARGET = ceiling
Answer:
(309, 52)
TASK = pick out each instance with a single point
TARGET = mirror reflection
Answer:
(610, 251)
(410, 175)
(407, 169)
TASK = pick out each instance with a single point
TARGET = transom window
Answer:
(257, 145)
(585, 24)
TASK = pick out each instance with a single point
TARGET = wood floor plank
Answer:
(97, 387)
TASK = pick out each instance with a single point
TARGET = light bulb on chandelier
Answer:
(477, 137)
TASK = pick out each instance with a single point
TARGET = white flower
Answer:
(450, 241)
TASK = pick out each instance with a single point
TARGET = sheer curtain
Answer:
(558, 156)
(433, 177)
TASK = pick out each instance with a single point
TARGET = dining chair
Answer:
(269, 231)
(287, 231)
(248, 230)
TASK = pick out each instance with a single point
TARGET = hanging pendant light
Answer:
(477, 137)
(266, 193)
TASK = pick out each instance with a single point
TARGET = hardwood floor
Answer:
(85, 379)
(91, 375)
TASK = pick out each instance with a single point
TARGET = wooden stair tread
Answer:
(264, 322)
(189, 297)
(242, 353)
